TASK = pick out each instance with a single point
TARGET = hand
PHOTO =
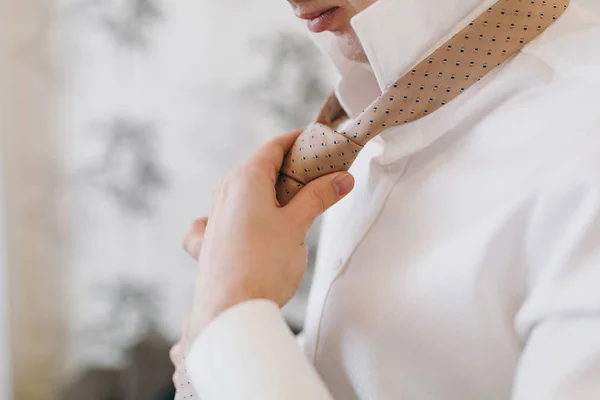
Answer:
(194, 237)
(253, 248)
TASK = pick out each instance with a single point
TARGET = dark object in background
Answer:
(147, 376)
(94, 384)
(150, 373)
(132, 327)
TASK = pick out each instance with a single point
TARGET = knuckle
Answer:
(198, 226)
(238, 177)
(226, 185)
(185, 242)
(173, 354)
(195, 229)
(188, 235)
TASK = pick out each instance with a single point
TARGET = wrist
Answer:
(205, 311)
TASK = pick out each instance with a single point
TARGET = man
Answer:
(465, 261)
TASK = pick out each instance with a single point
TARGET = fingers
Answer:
(175, 354)
(318, 196)
(177, 351)
(194, 237)
(270, 156)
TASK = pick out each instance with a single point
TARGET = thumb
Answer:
(319, 195)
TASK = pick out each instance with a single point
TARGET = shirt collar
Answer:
(396, 35)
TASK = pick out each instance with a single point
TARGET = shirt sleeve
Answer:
(248, 352)
(559, 321)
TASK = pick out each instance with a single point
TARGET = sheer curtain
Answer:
(117, 118)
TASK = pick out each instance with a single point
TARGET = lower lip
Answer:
(324, 21)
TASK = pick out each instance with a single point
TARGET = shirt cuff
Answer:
(249, 352)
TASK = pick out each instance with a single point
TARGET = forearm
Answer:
(249, 352)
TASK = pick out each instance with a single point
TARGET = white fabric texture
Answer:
(265, 333)
(466, 262)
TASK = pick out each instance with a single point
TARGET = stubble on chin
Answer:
(350, 46)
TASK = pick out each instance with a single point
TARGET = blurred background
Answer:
(118, 117)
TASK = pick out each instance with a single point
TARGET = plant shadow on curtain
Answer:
(151, 122)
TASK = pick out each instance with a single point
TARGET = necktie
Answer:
(499, 33)
(483, 45)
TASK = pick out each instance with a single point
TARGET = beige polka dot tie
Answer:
(499, 33)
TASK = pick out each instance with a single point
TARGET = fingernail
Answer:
(343, 184)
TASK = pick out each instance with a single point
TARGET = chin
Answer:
(350, 47)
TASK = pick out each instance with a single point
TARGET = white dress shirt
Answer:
(466, 262)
